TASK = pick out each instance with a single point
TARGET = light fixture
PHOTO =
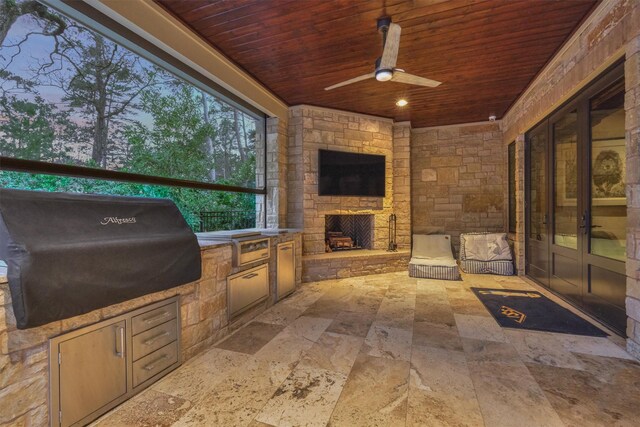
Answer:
(401, 102)
(384, 75)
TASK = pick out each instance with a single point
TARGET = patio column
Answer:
(632, 137)
(277, 158)
(520, 238)
(402, 183)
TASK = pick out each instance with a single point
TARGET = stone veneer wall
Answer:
(24, 364)
(277, 158)
(518, 237)
(458, 178)
(358, 263)
(313, 128)
(609, 34)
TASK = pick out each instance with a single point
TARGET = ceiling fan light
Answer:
(384, 75)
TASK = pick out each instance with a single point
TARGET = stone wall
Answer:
(518, 237)
(632, 136)
(458, 178)
(352, 264)
(402, 183)
(311, 129)
(608, 35)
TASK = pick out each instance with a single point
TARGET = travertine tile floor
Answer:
(389, 350)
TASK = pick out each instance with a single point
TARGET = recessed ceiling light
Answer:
(401, 102)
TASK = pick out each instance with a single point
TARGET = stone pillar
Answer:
(520, 237)
(632, 137)
(277, 158)
(295, 171)
(402, 183)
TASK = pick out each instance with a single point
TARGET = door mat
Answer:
(532, 310)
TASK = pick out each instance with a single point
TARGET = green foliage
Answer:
(189, 201)
(30, 129)
(174, 145)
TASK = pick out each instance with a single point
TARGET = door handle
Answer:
(583, 224)
(250, 275)
(120, 342)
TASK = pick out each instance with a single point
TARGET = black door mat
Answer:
(532, 310)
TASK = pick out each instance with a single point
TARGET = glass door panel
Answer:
(565, 146)
(538, 189)
(608, 200)
(537, 238)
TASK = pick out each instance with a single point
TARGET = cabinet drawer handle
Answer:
(264, 254)
(249, 276)
(156, 318)
(120, 342)
(156, 338)
(285, 248)
(151, 366)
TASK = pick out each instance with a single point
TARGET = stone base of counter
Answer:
(24, 362)
(339, 265)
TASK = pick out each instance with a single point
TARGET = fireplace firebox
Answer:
(348, 232)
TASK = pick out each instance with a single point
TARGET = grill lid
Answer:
(68, 254)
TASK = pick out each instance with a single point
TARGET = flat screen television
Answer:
(350, 174)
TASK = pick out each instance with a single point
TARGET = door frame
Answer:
(581, 103)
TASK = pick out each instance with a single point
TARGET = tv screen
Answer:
(351, 174)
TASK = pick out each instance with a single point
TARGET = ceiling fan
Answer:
(386, 65)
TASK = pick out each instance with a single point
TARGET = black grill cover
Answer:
(68, 254)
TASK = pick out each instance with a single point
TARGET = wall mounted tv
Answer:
(350, 174)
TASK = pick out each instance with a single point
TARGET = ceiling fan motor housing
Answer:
(382, 74)
(383, 23)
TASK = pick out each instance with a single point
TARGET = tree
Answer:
(174, 146)
(208, 140)
(32, 130)
(99, 79)
(11, 10)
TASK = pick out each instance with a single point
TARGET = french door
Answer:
(575, 201)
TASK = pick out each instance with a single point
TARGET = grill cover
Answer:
(68, 254)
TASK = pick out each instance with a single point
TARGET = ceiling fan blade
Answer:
(353, 80)
(401, 77)
(391, 46)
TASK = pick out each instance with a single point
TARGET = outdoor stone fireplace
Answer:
(348, 232)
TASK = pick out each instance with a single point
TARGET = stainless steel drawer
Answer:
(252, 251)
(153, 318)
(151, 340)
(154, 363)
(248, 288)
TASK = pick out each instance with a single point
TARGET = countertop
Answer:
(212, 239)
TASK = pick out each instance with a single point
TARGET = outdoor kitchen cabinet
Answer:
(95, 368)
(286, 269)
(94, 358)
(247, 289)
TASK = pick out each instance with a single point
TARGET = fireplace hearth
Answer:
(348, 232)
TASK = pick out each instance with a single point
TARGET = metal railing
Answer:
(226, 220)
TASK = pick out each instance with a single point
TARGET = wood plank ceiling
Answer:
(484, 52)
